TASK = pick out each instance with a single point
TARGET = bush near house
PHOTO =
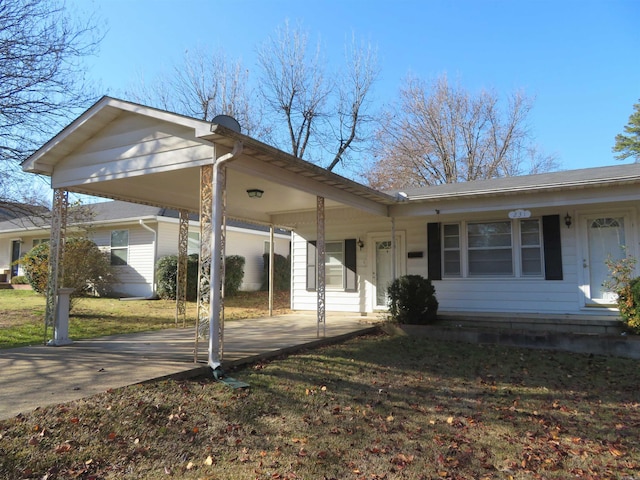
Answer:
(167, 274)
(281, 273)
(412, 300)
(627, 288)
(87, 269)
(19, 280)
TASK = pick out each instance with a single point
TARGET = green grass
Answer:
(22, 315)
(373, 408)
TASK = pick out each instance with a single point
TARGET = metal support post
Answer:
(322, 253)
(181, 281)
(204, 263)
(271, 269)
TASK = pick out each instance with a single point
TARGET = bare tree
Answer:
(321, 113)
(41, 79)
(438, 133)
(204, 84)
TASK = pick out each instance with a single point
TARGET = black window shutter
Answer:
(351, 279)
(434, 254)
(552, 247)
(311, 265)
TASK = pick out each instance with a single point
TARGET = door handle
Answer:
(584, 263)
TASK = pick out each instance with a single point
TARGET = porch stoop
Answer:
(586, 334)
(531, 322)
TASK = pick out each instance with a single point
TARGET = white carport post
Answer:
(56, 265)
(322, 253)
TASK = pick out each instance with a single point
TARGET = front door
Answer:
(383, 267)
(15, 256)
(605, 239)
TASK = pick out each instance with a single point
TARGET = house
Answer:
(138, 236)
(514, 246)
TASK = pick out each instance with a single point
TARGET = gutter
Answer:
(215, 284)
(153, 296)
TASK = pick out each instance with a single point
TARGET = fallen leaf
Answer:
(209, 460)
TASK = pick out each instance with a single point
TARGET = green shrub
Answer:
(86, 268)
(412, 300)
(233, 274)
(281, 273)
(19, 280)
(167, 274)
(629, 305)
(35, 264)
(627, 288)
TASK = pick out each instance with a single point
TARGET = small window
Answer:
(489, 249)
(451, 249)
(334, 261)
(119, 247)
(38, 241)
(193, 243)
(531, 248)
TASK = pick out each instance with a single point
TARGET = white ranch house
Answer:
(143, 234)
(530, 245)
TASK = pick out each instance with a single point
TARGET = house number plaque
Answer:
(519, 213)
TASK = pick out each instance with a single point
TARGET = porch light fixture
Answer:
(567, 220)
(255, 193)
(360, 244)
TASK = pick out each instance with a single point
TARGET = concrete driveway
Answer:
(37, 376)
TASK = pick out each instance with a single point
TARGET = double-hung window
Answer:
(489, 249)
(506, 248)
(339, 265)
(119, 247)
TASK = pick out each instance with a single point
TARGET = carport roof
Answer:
(126, 151)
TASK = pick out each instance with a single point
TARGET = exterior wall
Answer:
(250, 245)
(512, 294)
(137, 277)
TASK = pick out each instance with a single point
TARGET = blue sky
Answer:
(579, 59)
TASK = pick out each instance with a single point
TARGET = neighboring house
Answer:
(137, 236)
(521, 245)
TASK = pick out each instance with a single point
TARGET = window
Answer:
(530, 248)
(193, 243)
(38, 241)
(119, 247)
(339, 264)
(451, 250)
(334, 259)
(489, 249)
(526, 248)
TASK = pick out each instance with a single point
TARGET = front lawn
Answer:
(22, 315)
(373, 408)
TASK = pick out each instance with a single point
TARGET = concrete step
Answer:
(558, 323)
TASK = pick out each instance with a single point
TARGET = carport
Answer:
(125, 151)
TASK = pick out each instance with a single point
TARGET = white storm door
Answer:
(605, 239)
(383, 267)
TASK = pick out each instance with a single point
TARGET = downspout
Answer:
(155, 254)
(215, 284)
